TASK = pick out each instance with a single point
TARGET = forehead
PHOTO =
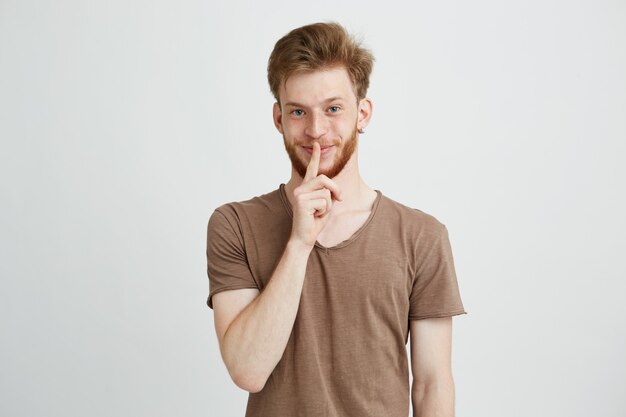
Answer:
(317, 86)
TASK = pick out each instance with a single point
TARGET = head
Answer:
(319, 76)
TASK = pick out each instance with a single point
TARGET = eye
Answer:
(297, 112)
(334, 109)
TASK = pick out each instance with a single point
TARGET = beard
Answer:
(342, 154)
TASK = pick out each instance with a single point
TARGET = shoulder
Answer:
(264, 215)
(410, 219)
(256, 207)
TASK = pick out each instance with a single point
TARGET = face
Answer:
(320, 106)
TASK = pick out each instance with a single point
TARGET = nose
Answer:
(317, 126)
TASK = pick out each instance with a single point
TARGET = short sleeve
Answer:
(227, 264)
(435, 291)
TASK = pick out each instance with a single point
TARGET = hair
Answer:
(319, 46)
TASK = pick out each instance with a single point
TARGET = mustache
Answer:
(322, 144)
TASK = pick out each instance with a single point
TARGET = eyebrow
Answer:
(328, 100)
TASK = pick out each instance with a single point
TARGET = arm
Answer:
(253, 329)
(433, 385)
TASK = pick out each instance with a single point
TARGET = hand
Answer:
(313, 201)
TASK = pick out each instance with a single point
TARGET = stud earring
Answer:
(361, 130)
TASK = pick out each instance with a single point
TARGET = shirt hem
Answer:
(209, 300)
(437, 315)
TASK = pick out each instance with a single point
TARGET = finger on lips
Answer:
(314, 163)
(314, 182)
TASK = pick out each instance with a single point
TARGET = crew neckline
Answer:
(355, 235)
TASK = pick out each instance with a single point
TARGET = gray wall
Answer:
(123, 124)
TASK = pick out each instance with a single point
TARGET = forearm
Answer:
(433, 399)
(255, 341)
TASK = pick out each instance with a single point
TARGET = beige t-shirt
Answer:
(346, 355)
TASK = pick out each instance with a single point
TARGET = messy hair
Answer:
(319, 46)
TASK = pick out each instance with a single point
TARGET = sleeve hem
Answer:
(437, 315)
(209, 300)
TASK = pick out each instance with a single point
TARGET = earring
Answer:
(361, 130)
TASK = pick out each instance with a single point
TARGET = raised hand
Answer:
(313, 201)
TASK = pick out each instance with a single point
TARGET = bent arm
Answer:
(433, 385)
(253, 334)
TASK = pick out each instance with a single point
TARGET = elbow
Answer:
(247, 376)
(249, 381)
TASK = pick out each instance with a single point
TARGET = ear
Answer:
(365, 113)
(278, 117)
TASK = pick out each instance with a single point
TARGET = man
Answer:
(317, 285)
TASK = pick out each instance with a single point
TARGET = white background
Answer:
(123, 124)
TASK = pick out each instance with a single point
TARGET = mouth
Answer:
(324, 149)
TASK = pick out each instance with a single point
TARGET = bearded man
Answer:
(317, 285)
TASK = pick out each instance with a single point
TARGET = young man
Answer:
(317, 285)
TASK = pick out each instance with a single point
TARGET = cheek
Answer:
(291, 127)
(347, 121)
(346, 128)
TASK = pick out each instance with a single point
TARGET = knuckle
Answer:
(300, 198)
(328, 182)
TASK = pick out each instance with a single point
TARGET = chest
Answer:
(342, 228)
(364, 287)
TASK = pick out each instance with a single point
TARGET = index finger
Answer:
(314, 163)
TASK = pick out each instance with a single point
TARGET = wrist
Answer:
(298, 246)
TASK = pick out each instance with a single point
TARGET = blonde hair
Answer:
(319, 46)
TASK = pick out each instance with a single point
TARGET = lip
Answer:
(324, 149)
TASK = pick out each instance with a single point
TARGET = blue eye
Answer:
(297, 112)
(333, 109)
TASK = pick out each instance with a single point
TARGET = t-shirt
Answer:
(346, 355)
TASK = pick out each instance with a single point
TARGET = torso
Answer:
(348, 342)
